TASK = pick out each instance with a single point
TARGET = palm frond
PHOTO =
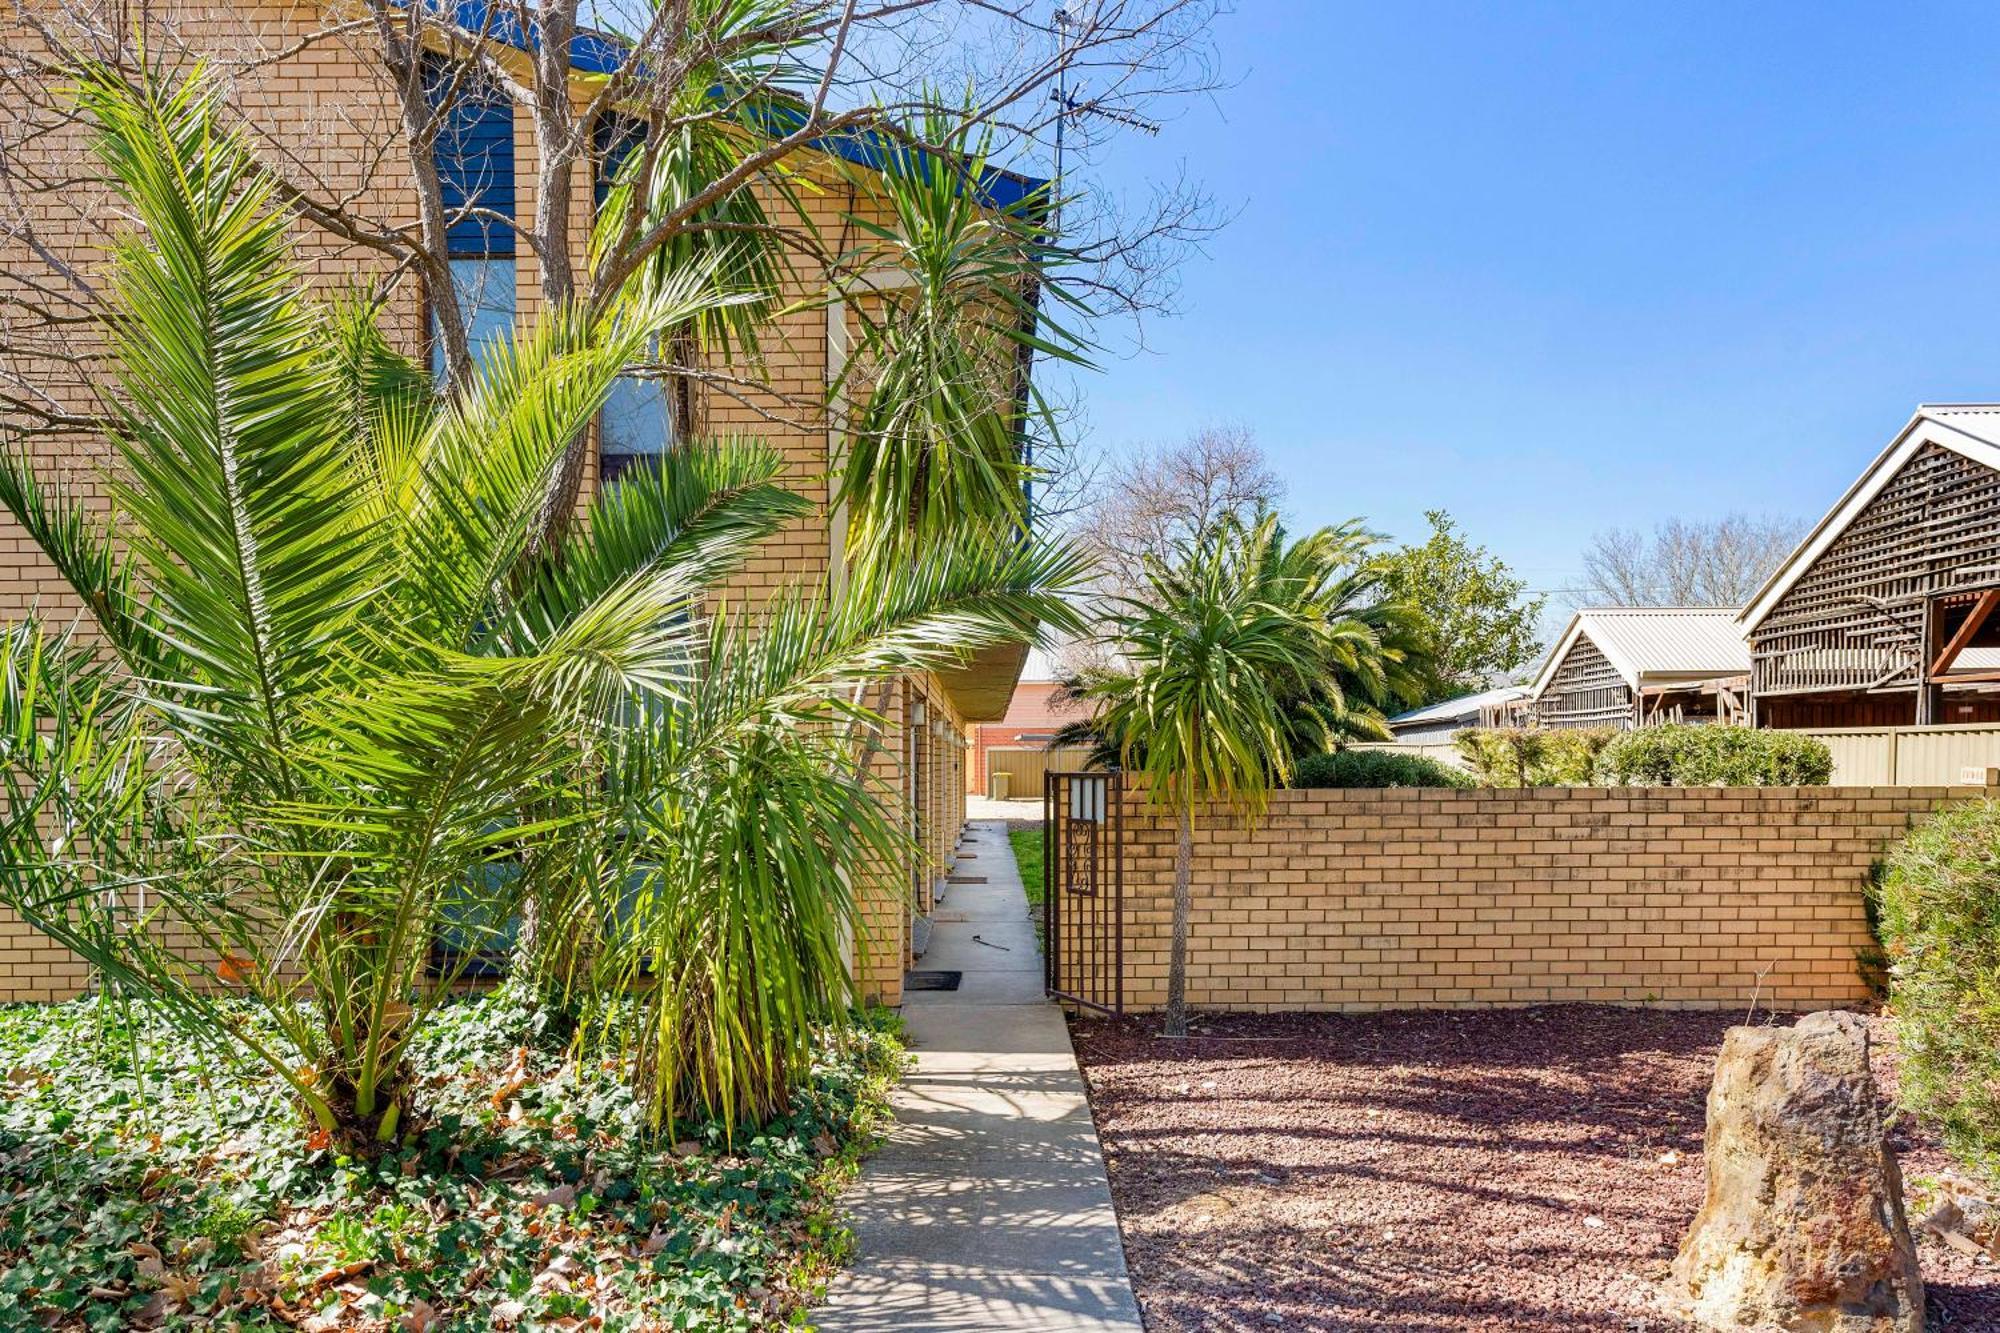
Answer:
(392, 401)
(233, 488)
(81, 548)
(698, 509)
(482, 474)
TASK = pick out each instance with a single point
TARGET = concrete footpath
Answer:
(988, 1207)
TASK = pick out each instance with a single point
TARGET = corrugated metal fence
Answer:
(1862, 756)
(1026, 768)
(1909, 756)
(1442, 751)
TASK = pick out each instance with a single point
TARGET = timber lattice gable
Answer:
(1586, 691)
(1858, 618)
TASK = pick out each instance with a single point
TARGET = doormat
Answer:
(932, 980)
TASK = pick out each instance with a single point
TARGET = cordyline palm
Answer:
(753, 813)
(943, 406)
(1211, 657)
(349, 705)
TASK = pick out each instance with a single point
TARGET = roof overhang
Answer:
(1921, 430)
(1675, 681)
(983, 686)
(1543, 679)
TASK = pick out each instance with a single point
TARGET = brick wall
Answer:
(1693, 898)
(1034, 711)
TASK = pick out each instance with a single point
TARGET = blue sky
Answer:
(1560, 267)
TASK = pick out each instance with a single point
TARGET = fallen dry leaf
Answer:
(512, 1078)
(559, 1197)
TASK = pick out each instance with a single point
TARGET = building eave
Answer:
(983, 686)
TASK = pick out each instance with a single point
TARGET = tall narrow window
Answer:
(475, 162)
(638, 420)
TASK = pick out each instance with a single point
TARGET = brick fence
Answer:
(1367, 899)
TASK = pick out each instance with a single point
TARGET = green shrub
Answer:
(1376, 768)
(1940, 923)
(1532, 756)
(1714, 756)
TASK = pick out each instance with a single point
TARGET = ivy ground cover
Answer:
(146, 1184)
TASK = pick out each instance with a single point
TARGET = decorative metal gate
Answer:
(1083, 883)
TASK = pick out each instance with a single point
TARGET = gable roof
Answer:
(1462, 706)
(1647, 643)
(1968, 429)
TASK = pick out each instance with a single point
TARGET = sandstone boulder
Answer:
(1803, 1226)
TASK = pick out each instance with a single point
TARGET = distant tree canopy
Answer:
(1703, 562)
(1474, 616)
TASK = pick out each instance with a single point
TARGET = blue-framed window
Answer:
(475, 163)
(638, 420)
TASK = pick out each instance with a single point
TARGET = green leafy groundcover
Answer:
(146, 1184)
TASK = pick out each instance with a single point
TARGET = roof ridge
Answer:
(1655, 610)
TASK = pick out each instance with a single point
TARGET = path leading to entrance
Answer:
(988, 1208)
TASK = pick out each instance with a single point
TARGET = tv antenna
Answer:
(1069, 104)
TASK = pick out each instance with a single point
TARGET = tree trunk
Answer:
(404, 56)
(1183, 908)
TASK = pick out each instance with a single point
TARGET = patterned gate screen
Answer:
(1083, 902)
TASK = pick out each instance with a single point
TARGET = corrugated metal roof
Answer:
(1980, 419)
(1465, 705)
(1649, 643)
(1668, 641)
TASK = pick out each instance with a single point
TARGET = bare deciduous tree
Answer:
(1156, 497)
(709, 108)
(1713, 562)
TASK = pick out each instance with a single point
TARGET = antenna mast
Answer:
(1068, 104)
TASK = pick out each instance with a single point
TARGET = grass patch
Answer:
(1028, 853)
(145, 1182)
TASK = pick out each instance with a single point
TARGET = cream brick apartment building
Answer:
(324, 111)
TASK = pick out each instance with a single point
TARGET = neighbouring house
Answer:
(1884, 615)
(1019, 744)
(1633, 666)
(1436, 724)
(301, 75)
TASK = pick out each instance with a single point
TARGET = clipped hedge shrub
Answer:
(1939, 916)
(1532, 756)
(1375, 768)
(1714, 756)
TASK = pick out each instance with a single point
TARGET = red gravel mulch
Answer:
(1524, 1169)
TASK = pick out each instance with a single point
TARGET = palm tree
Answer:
(1375, 654)
(1212, 657)
(349, 702)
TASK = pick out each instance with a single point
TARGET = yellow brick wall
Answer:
(1356, 900)
(323, 113)
(889, 897)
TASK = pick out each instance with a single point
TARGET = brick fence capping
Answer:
(1358, 899)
